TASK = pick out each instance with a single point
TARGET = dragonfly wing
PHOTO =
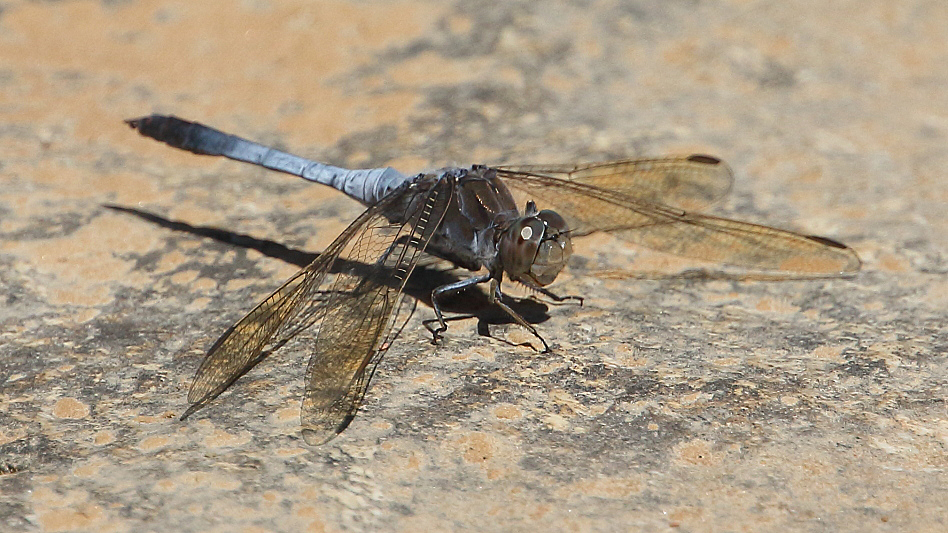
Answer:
(588, 208)
(240, 347)
(693, 182)
(302, 302)
(359, 314)
(290, 310)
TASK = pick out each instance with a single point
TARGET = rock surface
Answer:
(678, 403)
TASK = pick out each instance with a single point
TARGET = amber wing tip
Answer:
(704, 158)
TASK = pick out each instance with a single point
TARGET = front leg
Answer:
(496, 297)
(446, 290)
(557, 298)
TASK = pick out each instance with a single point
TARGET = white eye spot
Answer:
(526, 233)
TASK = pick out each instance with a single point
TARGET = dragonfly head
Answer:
(536, 247)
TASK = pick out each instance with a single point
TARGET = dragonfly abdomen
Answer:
(368, 186)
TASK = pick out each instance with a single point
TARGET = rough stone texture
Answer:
(681, 404)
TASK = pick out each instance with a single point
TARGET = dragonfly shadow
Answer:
(427, 276)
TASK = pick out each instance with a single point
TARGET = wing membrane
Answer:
(349, 346)
(693, 182)
(589, 208)
(239, 348)
(360, 313)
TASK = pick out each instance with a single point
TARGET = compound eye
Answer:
(553, 220)
(554, 249)
(534, 249)
(518, 246)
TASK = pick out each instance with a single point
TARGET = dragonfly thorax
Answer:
(534, 248)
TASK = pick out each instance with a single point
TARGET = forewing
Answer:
(693, 182)
(588, 208)
(360, 311)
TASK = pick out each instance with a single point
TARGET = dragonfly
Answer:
(343, 307)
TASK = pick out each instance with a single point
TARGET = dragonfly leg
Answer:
(496, 297)
(445, 290)
(557, 298)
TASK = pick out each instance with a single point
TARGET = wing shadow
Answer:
(427, 276)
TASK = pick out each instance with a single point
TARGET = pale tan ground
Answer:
(667, 405)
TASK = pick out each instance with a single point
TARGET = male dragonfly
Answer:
(343, 306)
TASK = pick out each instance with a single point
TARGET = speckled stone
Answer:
(669, 403)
